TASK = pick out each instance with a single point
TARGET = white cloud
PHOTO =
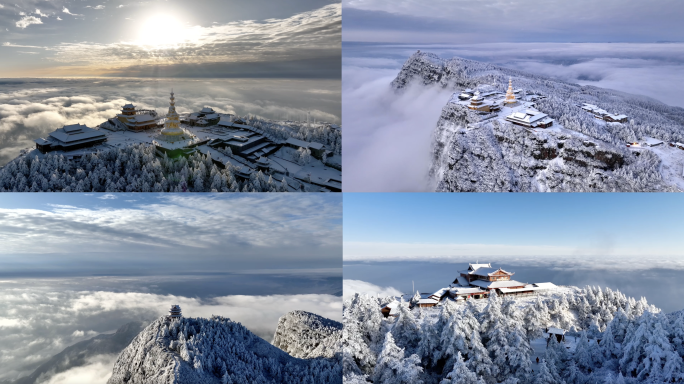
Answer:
(8, 44)
(108, 196)
(387, 135)
(301, 36)
(357, 286)
(66, 10)
(99, 7)
(97, 371)
(27, 20)
(39, 13)
(59, 18)
(175, 225)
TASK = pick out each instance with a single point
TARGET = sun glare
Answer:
(161, 31)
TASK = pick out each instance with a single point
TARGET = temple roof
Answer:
(76, 132)
(484, 271)
(496, 284)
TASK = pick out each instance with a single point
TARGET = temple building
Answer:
(603, 114)
(175, 312)
(530, 118)
(173, 140)
(510, 94)
(478, 281)
(70, 137)
(478, 103)
(203, 118)
(137, 119)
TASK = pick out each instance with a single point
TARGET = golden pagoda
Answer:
(172, 125)
(510, 96)
(173, 139)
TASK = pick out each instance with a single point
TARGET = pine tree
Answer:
(460, 374)
(543, 375)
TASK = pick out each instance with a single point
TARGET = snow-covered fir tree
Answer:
(490, 341)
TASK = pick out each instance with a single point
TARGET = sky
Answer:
(293, 39)
(73, 266)
(623, 231)
(461, 21)
(156, 233)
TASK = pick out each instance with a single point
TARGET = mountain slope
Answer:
(216, 350)
(78, 354)
(306, 335)
(480, 152)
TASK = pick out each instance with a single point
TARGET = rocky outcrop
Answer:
(306, 335)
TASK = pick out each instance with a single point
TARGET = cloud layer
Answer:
(38, 322)
(352, 287)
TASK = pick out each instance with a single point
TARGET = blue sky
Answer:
(170, 38)
(554, 227)
(146, 234)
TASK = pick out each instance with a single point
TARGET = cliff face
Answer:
(306, 335)
(216, 350)
(477, 152)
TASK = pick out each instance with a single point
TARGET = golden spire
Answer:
(510, 96)
(172, 125)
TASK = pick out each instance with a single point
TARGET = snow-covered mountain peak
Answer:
(216, 350)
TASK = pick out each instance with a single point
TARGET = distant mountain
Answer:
(306, 335)
(216, 350)
(78, 354)
(481, 152)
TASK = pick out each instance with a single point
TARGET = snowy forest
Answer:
(213, 351)
(133, 168)
(611, 339)
(281, 131)
(498, 156)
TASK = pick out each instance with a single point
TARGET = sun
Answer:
(161, 31)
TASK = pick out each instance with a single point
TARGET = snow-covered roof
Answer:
(556, 331)
(304, 144)
(528, 116)
(472, 267)
(462, 281)
(439, 293)
(651, 141)
(427, 301)
(393, 306)
(211, 116)
(207, 110)
(496, 284)
(75, 133)
(41, 141)
(546, 285)
(465, 291)
(129, 106)
(485, 271)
